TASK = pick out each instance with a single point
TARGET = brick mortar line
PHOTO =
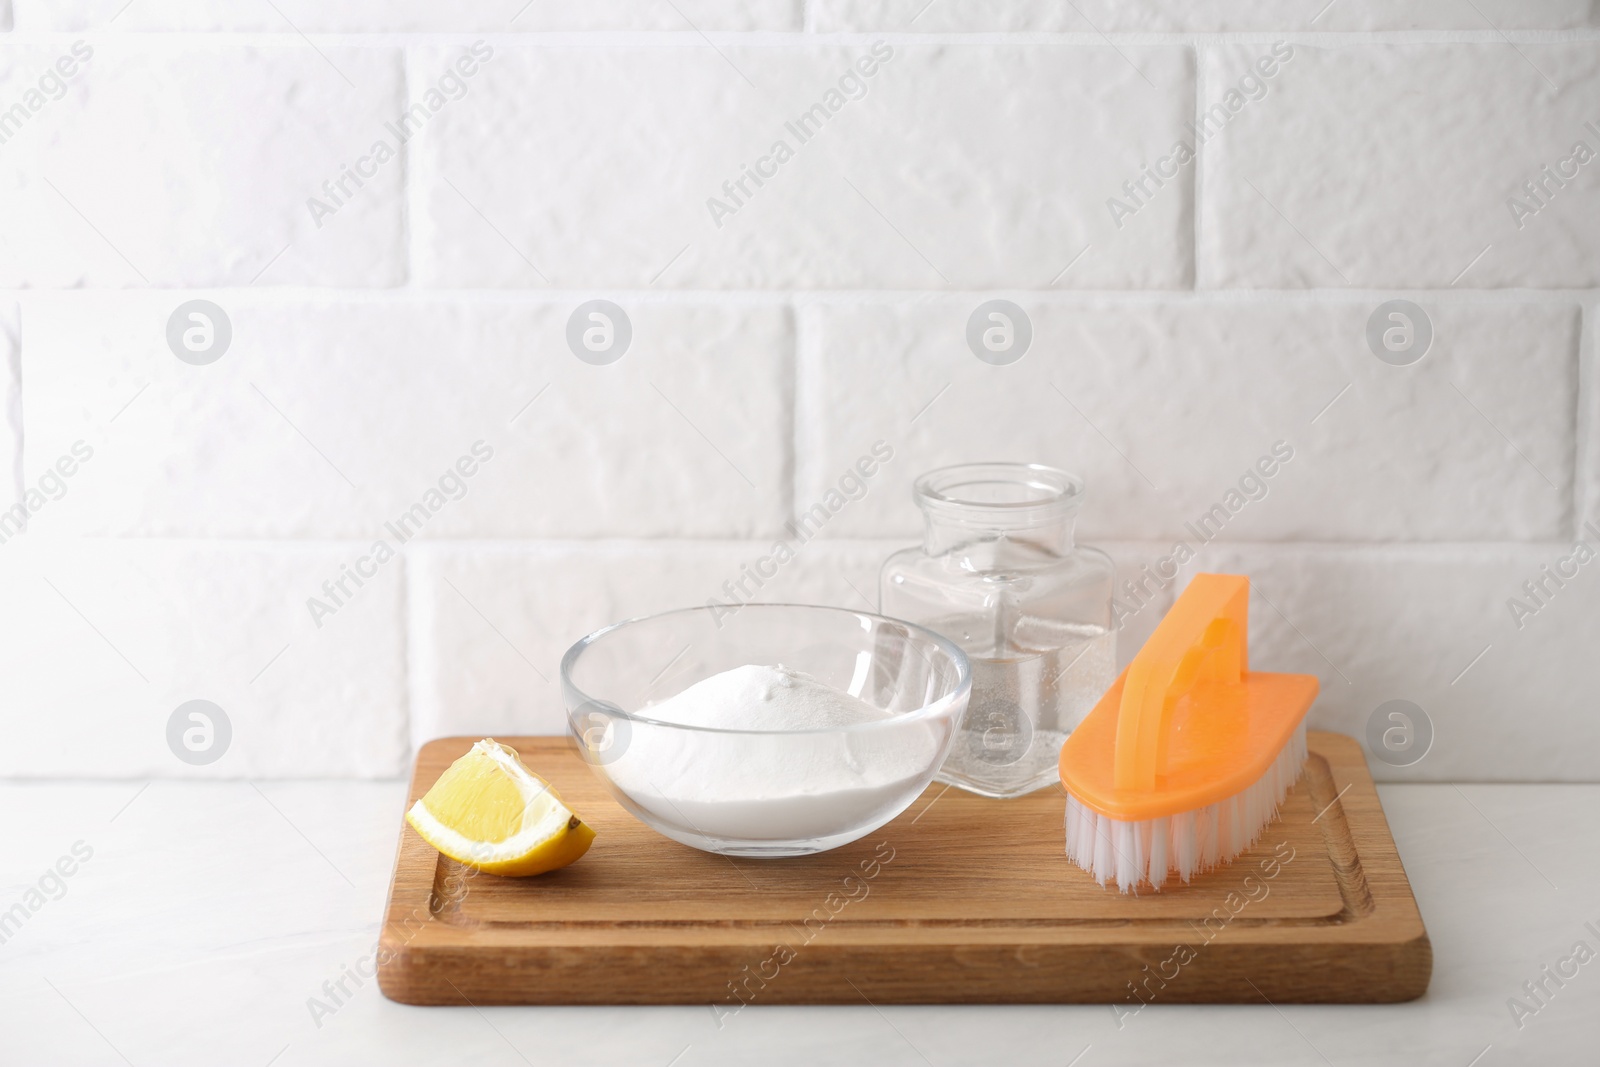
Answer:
(1197, 175)
(407, 39)
(412, 191)
(610, 545)
(803, 424)
(1577, 297)
(1585, 496)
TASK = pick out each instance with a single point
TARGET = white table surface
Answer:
(209, 914)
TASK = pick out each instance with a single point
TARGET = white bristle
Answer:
(1137, 853)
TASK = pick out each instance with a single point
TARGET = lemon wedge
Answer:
(491, 813)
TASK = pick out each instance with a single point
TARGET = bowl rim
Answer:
(963, 688)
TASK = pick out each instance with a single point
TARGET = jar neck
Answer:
(969, 531)
(977, 508)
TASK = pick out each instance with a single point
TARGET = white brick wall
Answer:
(589, 194)
(105, 638)
(559, 153)
(328, 416)
(172, 162)
(1162, 405)
(1441, 135)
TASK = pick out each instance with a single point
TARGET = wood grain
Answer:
(960, 899)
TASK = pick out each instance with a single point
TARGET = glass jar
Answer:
(998, 574)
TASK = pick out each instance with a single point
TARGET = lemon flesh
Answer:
(491, 813)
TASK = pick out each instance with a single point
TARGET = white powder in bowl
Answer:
(772, 785)
(764, 698)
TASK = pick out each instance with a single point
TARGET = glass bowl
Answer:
(765, 791)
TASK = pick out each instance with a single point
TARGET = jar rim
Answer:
(1013, 487)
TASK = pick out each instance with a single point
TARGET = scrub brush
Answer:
(1184, 761)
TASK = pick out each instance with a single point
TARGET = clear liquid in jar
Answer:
(1024, 704)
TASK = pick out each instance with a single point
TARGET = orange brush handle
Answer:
(1202, 639)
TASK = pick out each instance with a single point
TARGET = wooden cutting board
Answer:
(960, 899)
